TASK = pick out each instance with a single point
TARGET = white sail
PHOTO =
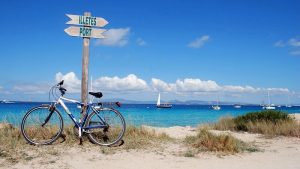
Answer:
(217, 107)
(289, 102)
(269, 106)
(158, 100)
(269, 98)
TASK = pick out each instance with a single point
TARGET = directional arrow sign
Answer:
(86, 20)
(85, 32)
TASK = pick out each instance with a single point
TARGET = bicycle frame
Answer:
(79, 124)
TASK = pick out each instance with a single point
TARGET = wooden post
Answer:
(85, 70)
(87, 31)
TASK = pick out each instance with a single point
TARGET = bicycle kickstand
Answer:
(80, 141)
(80, 136)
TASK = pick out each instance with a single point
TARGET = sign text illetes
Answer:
(87, 20)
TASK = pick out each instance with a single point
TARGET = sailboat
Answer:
(6, 101)
(237, 106)
(289, 102)
(269, 106)
(216, 107)
(159, 105)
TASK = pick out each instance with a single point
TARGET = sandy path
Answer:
(296, 116)
(277, 153)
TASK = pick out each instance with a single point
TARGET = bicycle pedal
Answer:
(86, 131)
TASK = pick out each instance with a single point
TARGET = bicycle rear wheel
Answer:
(114, 130)
(36, 131)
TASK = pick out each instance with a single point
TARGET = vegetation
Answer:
(223, 143)
(140, 137)
(269, 122)
(13, 146)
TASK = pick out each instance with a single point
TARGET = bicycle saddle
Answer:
(96, 94)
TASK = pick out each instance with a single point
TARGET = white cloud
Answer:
(141, 42)
(279, 43)
(160, 85)
(115, 37)
(198, 86)
(199, 42)
(40, 88)
(240, 89)
(293, 44)
(130, 83)
(71, 81)
(277, 90)
(295, 52)
(187, 85)
(2, 91)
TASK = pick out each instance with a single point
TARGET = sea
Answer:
(146, 114)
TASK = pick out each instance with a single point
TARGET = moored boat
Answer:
(164, 105)
(269, 106)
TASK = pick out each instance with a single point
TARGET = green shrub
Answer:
(269, 122)
(267, 116)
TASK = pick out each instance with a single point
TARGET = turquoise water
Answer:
(146, 114)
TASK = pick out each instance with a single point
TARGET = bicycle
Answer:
(43, 124)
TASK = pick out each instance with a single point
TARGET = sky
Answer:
(187, 50)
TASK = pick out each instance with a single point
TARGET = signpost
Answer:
(86, 20)
(86, 31)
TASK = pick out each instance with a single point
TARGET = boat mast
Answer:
(269, 98)
(158, 100)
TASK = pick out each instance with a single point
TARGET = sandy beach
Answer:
(296, 116)
(276, 153)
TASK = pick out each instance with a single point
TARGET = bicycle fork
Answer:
(51, 109)
(80, 129)
(80, 132)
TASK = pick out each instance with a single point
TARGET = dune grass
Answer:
(223, 144)
(14, 148)
(140, 137)
(10, 141)
(270, 123)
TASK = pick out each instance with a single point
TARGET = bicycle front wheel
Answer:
(39, 131)
(114, 128)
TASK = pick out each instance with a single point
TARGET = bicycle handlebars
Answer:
(60, 83)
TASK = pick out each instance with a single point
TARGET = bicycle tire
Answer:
(100, 135)
(35, 132)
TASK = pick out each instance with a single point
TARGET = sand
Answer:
(296, 116)
(275, 153)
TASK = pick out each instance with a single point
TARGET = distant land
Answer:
(174, 102)
(178, 102)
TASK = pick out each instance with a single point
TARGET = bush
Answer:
(206, 141)
(140, 137)
(225, 123)
(267, 116)
(269, 122)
